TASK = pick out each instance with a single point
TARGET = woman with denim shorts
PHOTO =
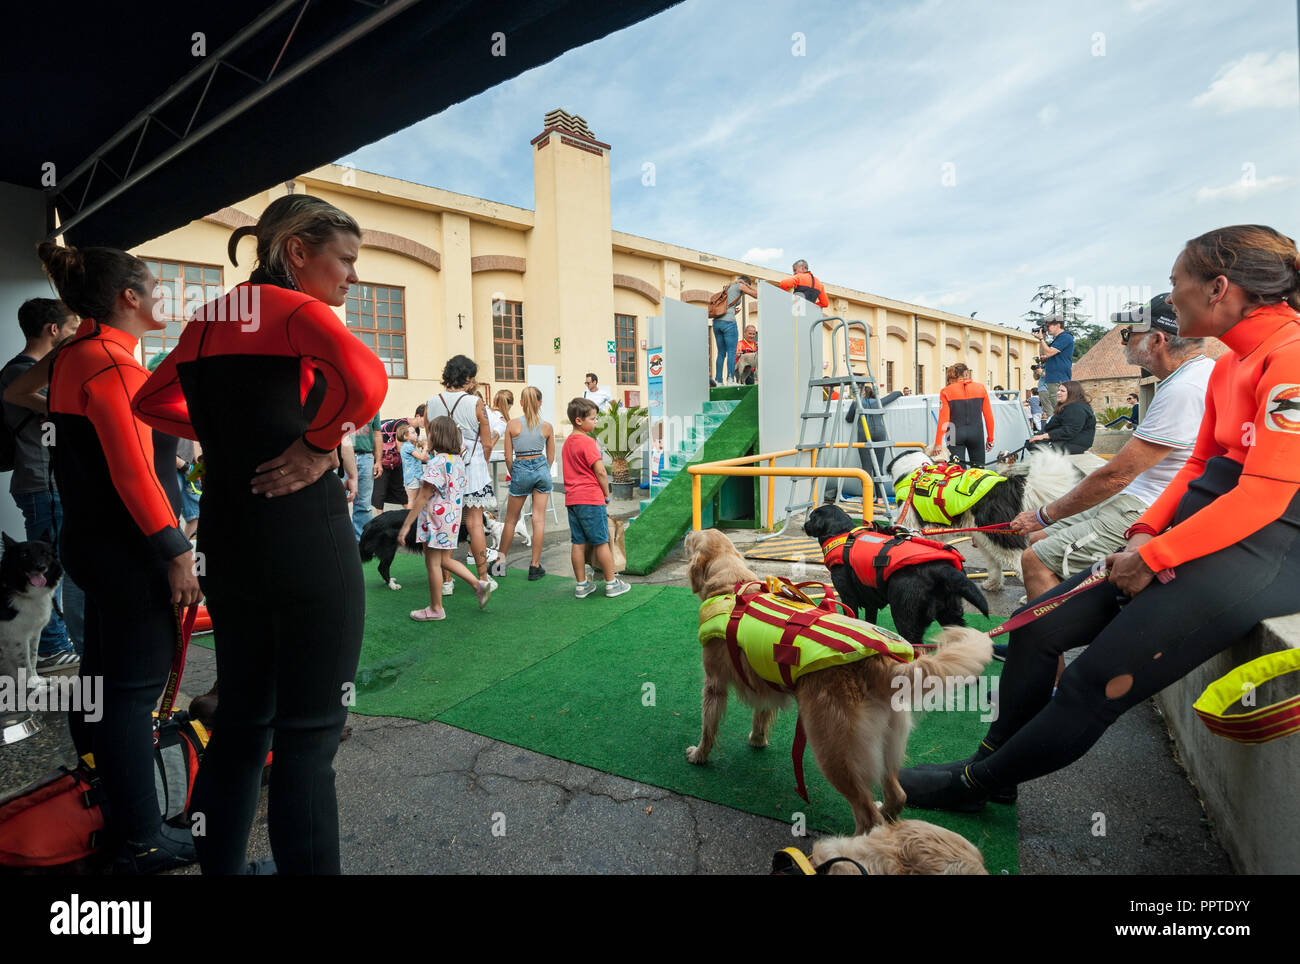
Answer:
(530, 450)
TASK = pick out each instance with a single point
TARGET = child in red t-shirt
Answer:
(586, 498)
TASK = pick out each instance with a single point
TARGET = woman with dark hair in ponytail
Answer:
(269, 380)
(119, 540)
(1224, 539)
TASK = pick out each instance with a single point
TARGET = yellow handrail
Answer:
(741, 467)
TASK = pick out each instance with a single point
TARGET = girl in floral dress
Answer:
(436, 512)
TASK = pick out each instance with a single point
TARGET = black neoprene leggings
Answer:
(130, 638)
(1134, 650)
(284, 587)
(968, 445)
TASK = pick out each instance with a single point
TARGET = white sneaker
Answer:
(617, 587)
(584, 589)
(449, 587)
(492, 583)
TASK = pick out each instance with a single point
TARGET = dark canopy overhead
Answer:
(270, 90)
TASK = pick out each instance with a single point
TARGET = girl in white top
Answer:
(469, 413)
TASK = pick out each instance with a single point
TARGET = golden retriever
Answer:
(856, 735)
(905, 847)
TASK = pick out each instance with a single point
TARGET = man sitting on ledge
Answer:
(1088, 522)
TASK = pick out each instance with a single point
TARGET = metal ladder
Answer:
(825, 423)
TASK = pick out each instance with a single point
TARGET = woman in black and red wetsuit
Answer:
(119, 539)
(1227, 527)
(269, 380)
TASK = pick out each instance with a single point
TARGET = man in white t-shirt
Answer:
(596, 393)
(1088, 523)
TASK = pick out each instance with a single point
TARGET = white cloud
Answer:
(1253, 81)
(1244, 188)
(1047, 116)
(762, 255)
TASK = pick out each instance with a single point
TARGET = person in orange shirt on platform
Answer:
(961, 404)
(1224, 539)
(806, 285)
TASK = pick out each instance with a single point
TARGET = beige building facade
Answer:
(444, 274)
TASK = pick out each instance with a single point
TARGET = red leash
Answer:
(1037, 612)
(995, 527)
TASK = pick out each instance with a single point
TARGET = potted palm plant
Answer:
(621, 432)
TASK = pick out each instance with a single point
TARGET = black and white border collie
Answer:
(29, 573)
(1044, 477)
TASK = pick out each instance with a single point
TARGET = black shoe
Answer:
(535, 573)
(169, 849)
(940, 790)
(1002, 795)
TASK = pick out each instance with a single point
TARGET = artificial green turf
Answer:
(625, 699)
(665, 520)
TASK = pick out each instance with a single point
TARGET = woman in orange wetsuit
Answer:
(962, 403)
(269, 380)
(119, 539)
(1227, 528)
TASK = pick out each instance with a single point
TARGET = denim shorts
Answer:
(529, 475)
(588, 525)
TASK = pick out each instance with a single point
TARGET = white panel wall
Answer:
(786, 361)
(685, 329)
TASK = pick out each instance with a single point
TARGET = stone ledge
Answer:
(1249, 791)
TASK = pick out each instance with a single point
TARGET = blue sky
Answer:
(950, 154)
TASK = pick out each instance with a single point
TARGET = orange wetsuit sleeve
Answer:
(786, 284)
(128, 449)
(1270, 475)
(1161, 512)
(160, 403)
(944, 417)
(822, 300)
(355, 379)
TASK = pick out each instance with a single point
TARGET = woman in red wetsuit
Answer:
(269, 380)
(1227, 528)
(963, 402)
(119, 539)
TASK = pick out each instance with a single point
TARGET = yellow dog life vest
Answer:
(783, 638)
(941, 493)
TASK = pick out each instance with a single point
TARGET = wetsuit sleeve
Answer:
(355, 380)
(944, 418)
(822, 300)
(988, 418)
(160, 403)
(1161, 512)
(128, 449)
(1270, 476)
(786, 284)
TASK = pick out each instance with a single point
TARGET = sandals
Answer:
(428, 615)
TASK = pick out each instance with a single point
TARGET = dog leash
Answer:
(184, 629)
(1037, 612)
(995, 527)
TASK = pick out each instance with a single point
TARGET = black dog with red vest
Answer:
(921, 581)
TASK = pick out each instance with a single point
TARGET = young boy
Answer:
(586, 496)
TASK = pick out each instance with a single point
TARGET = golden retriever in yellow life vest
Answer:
(847, 710)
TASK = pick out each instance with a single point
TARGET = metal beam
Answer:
(381, 15)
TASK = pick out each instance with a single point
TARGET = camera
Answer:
(1039, 330)
(1037, 361)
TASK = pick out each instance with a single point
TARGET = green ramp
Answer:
(665, 520)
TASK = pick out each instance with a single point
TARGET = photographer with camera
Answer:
(1056, 356)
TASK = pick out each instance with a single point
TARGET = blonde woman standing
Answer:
(530, 450)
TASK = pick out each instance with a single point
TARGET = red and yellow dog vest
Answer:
(875, 556)
(783, 635)
(941, 493)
